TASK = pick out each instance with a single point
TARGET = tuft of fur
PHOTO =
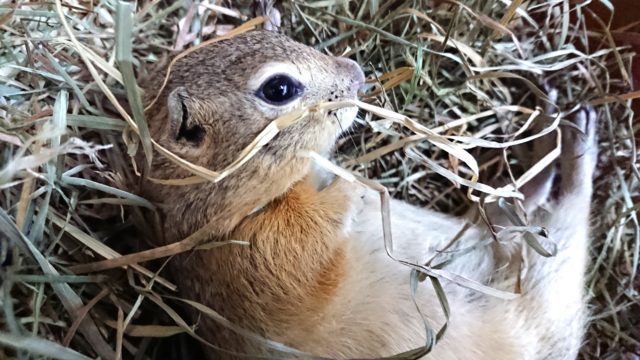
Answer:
(315, 275)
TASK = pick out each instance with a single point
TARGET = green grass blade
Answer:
(125, 60)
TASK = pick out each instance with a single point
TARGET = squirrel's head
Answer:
(219, 97)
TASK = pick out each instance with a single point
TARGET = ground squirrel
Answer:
(315, 275)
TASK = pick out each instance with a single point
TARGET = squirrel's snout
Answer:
(354, 73)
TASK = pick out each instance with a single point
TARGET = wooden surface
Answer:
(625, 28)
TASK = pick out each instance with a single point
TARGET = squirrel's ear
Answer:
(183, 127)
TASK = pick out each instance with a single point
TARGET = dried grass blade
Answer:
(262, 139)
(183, 324)
(633, 95)
(501, 74)
(212, 314)
(457, 179)
(88, 56)
(429, 135)
(189, 243)
(103, 250)
(154, 331)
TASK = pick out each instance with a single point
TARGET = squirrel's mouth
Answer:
(345, 118)
(354, 73)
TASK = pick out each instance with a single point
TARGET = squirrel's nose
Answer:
(353, 72)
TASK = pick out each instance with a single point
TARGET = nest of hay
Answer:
(472, 69)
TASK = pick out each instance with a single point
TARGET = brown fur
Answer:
(263, 286)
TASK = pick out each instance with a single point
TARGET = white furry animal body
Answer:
(375, 311)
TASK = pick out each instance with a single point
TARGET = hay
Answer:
(468, 74)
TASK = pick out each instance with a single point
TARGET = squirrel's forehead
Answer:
(258, 47)
(254, 56)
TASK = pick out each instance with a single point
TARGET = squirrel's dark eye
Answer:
(280, 90)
